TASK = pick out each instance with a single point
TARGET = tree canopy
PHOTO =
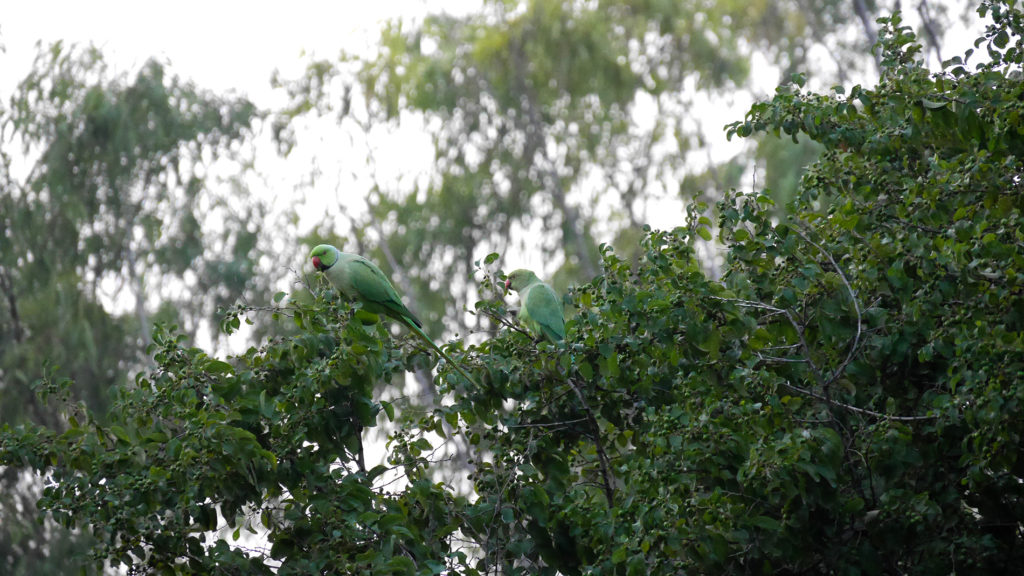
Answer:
(843, 400)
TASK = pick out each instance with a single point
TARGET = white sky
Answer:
(221, 45)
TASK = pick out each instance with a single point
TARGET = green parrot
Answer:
(359, 279)
(541, 310)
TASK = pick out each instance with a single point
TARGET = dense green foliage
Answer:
(845, 400)
(274, 443)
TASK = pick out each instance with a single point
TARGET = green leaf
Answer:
(218, 367)
(508, 516)
(121, 433)
(586, 370)
(389, 409)
(770, 524)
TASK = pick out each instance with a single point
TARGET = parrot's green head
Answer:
(324, 256)
(519, 279)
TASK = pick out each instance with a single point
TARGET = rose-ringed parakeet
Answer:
(541, 310)
(360, 280)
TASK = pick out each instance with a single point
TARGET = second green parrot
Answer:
(541, 310)
(360, 280)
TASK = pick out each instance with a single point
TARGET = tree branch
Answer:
(598, 445)
(559, 424)
(929, 28)
(861, 8)
(854, 408)
(138, 284)
(803, 345)
(572, 229)
(856, 307)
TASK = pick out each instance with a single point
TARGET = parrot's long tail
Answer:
(423, 336)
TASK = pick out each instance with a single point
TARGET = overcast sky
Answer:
(220, 44)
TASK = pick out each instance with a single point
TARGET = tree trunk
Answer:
(573, 228)
(861, 8)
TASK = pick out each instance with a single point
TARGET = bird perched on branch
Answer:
(541, 312)
(360, 280)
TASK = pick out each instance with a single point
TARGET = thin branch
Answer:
(807, 349)
(784, 347)
(814, 369)
(818, 35)
(536, 146)
(598, 445)
(361, 459)
(780, 359)
(861, 8)
(138, 284)
(505, 322)
(562, 423)
(854, 408)
(929, 28)
(789, 316)
(749, 303)
(853, 298)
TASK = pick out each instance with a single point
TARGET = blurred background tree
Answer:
(111, 220)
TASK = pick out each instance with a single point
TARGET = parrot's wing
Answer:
(375, 289)
(544, 308)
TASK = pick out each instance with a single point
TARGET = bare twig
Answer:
(856, 308)
(854, 408)
(789, 316)
(810, 362)
(598, 445)
(505, 322)
(561, 423)
(780, 359)
(784, 347)
(807, 349)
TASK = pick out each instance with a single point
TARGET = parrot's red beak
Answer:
(316, 263)
(508, 284)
